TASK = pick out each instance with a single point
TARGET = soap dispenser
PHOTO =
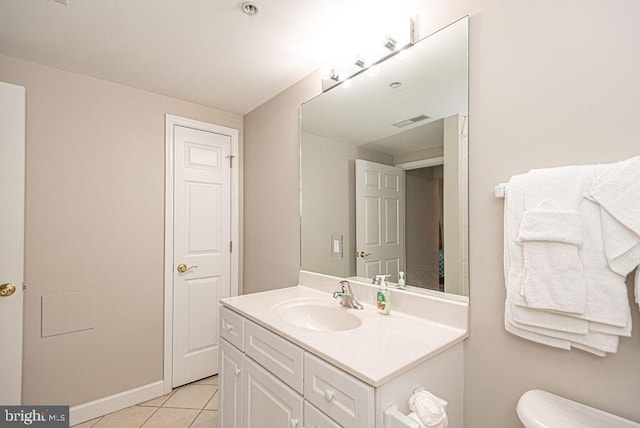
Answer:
(383, 297)
(401, 282)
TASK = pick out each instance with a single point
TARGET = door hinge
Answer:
(230, 246)
(230, 157)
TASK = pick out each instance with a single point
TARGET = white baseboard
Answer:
(102, 406)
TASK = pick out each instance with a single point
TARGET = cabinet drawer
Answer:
(232, 327)
(278, 355)
(314, 418)
(342, 397)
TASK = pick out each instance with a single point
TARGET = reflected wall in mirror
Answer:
(384, 170)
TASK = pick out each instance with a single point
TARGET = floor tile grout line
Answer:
(150, 416)
(195, 419)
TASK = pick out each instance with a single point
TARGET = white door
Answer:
(379, 219)
(202, 240)
(12, 134)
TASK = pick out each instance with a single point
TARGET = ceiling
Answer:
(204, 51)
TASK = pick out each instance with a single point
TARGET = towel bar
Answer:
(501, 190)
(394, 418)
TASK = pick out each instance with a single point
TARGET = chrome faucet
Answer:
(377, 280)
(347, 299)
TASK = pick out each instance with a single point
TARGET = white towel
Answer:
(618, 192)
(553, 273)
(429, 409)
(600, 341)
(607, 297)
(637, 286)
(567, 323)
(606, 311)
(621, 244)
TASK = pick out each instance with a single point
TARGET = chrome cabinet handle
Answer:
(293, 423)
(182, 268)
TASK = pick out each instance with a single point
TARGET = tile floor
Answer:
(194, 405)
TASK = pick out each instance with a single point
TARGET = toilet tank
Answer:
(541, 409)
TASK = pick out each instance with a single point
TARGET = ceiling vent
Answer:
(411, 121)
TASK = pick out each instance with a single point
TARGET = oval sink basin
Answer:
(317, 315)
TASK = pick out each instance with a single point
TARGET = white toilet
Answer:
(541, 409)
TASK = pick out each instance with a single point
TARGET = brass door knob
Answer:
(7, 289)
(362, 254)
(182, 268)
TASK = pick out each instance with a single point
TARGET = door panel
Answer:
(202, 235)
(12, 169)
(379, 219)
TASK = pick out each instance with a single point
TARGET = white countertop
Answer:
(381, 348)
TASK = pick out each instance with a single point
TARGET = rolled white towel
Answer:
(429, 410)
(416, 419)
(637, 286)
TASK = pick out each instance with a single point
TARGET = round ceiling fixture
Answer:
(250, 8)
(395, 85)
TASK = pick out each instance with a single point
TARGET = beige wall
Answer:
(551, 83)
(272, 189)
(328, 173)
(94, 221)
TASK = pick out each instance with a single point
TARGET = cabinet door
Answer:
(230, 385)
(268, 402)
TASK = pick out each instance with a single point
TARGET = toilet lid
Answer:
(541, 409)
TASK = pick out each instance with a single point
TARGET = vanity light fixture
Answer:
(400, 35)
(391, 43)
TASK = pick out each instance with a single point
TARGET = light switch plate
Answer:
(336, 246)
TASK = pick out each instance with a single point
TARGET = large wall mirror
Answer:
(384, 170)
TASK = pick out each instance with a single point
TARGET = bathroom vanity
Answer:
(294, 357)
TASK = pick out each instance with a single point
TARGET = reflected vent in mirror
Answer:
(411, 121)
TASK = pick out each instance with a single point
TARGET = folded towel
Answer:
(621, 244)
(551, 226)
(637, 286)
(568, 323)
(599, 341)
(607, 297)
(553, 272)
(617, 190)
(513, 328)
(606, 313)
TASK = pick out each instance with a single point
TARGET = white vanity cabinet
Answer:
(268, 381)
